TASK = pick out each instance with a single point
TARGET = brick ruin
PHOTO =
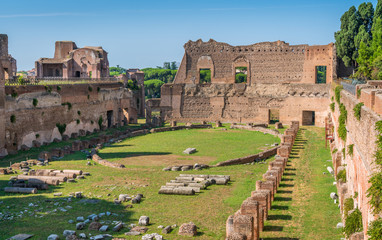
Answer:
(70, 61)
(281, 83)
(30, 114)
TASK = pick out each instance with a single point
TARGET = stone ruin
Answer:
(69, 61)
(282, 83)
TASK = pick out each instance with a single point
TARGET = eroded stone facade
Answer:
(281, 79)
(70, 61)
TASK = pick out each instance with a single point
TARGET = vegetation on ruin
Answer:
(348, 206)
(357, 110)
(13, 118)
(374, 193)
(344, 152)
(375, 230)
(48, 88)
(58, 88)
(90, 89)
(332, 106)
(35, 102)
(116, 71)
(337, 93)
(144, 159)
(67, 104)
(353, 223)
(61, 128)
(79, 113)
(100, 122)
(78, 121)
(14, 94)
(294, 213)
(205, 76)
(342, 132)
(351, 149)
(37, 135)
(341, 176)
(334, 151)
(240, 78)
(358, 93)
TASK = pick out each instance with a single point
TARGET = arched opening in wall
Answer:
(241, 74)
(308, 118)
(274, 116)
(320, 74)
(204, 75)
(125, 116)
(84, 70)
(109, 118)
(78, 74)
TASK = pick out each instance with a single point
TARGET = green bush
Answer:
(37, 135)
(378, 154)
(79, 113)
(341, 175)
(90, 89)
(334, 151)
(358, 93)
(332, 106)
(351, 149)
(14, 94)
(58, 88)
(348, 206)
(13, 118)
(342, 132)
(357, 111)
(35, 102)
(78, 121)
(98, 89)
(100, 121)
(375, 230)
(61, 128)
(67, 104)
(337, 93)
(374, 193)
(353, 223)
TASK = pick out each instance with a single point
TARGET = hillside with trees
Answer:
(359, 40)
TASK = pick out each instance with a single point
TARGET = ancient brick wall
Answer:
(3, 55)
(243, 103)
(359, 166)
(267, 62)
(33, 124)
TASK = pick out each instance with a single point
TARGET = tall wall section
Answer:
(3, 57)
(360, 165)
(79, 106)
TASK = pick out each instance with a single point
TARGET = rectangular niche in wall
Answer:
(241, 74)
(205, 75)
(308, 118)
(321, 74)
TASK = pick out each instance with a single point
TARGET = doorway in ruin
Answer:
(78, 74)
(274, 116)
(125, 116)
(241, 74)
(320, 74)
(109, 118)
(308, 118)
(205, 75)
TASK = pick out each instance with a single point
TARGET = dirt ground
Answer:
(165, 160)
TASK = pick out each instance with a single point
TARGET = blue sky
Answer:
(148, 33)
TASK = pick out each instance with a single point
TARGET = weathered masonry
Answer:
(282, 83)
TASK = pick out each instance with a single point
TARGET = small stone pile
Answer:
(189, 184)
(196, 166)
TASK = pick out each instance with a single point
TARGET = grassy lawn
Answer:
(208, 210)
(302, 208)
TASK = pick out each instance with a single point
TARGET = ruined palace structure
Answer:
(33, 115)
(70, 61)
(281, 83)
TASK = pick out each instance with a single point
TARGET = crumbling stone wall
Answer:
(280, 77)
(244, 103)
(88, 103)
(3, 60)
(359, 166)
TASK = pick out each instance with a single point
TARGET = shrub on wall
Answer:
(375, 230)
(332, 106)
(13, 118)
(98, 89)
(90, 88)
(358, 93)
(58, 88)
(341, 176)
(348, 206)
(78, 121)
(374, 193)
(67, 104)
(61, 128)
(35, 102)
(353, 223)
(337, 93)
(100, 121)
(48, 88)
(342, 132)
(334, 151)
(79, 113)
(350, 149)
(357, 111)
(14, 94)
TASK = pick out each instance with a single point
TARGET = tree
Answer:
(152, 88)
(173, 66)
(166, 65)
(366, 14)
(346, 49)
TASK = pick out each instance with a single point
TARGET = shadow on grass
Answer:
(285, 185)
(279, 217)
(287, 179)
(107, 156)
(284, 191)
(277, 207)
(282, 199)
(273, 229)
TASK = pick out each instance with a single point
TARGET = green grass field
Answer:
(145, 156)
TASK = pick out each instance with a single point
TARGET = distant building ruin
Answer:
(281, 82)
(72, 62)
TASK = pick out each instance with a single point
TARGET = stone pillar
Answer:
(262, 199)
(251, 208)
(266, 185)
(283, 151)
(173, 123)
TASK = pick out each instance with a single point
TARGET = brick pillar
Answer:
(283, 151)
(262, 199)
(3, 151)
(266, 185)
(243, 225)
(173, 123)
(251, 208)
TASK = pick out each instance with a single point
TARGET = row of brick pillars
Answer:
(248, 221)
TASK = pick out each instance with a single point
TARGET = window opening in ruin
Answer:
(6, 73)
(125, 112)
(78, 74)
(274, 116)
(109, 118)
(320, 74)
(205, 75)
(57, 72)
(241, 74)
(308, 118)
